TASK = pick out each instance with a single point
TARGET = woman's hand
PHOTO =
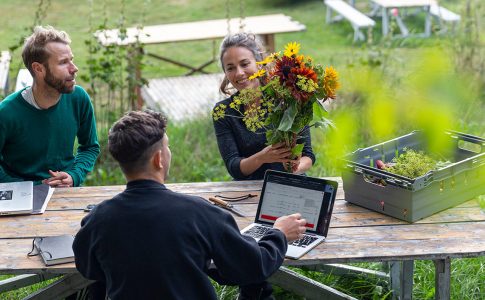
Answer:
(270, 154)
(275, 153)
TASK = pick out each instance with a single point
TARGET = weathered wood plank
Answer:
(345, 215)
(66, 286)
(346, 270)
(384, 243)
(23, 280)
(197, 187)
(48, 224)
(74, 202)
(14, 259)
(187, 188)
(309, 288)
(380, 243)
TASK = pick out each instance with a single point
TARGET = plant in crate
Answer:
(289, 99)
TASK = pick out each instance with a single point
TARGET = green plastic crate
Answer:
(413, 199)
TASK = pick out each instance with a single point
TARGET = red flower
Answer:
(283, 68)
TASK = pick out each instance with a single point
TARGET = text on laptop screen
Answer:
(285, 196)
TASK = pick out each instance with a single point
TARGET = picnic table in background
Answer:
(265, 26)
(391, 9)
(356, 235)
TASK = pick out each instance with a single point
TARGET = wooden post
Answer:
(134, 89)
(442, 278)
(401, 273)
(268, 41)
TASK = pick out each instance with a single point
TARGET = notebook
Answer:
(24, 198)
(16, 198)
(55, 249)
(285, 194)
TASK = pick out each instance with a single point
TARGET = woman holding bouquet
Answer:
(246, 153)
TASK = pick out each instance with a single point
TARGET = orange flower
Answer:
(330, 82)
(307, 72)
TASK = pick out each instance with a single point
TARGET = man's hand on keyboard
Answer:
(293, 226)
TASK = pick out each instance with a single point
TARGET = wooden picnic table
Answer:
(265, 26)
(387, 5)
(356, 235)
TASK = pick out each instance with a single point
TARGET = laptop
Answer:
(16, 198)
(286, 194)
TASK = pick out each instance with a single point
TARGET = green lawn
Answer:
(399, 74)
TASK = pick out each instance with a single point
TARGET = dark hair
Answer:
(34, 46)
(241, 39)
(134, 138)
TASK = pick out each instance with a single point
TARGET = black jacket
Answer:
(151, 243)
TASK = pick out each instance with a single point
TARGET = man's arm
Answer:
(4, 176)
(241, 260)
(88, 149)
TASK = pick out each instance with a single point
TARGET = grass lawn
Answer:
(395, 62)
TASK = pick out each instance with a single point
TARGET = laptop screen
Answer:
(285, 194)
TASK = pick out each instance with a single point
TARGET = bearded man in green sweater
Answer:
(39, 124)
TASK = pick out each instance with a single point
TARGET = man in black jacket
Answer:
(152, 243)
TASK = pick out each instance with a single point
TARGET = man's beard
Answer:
(56, 83)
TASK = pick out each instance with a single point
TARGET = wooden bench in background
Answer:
(265, 27)
(344, 10)
(444, 15)
(4, 68)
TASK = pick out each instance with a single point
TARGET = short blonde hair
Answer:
(34, 46)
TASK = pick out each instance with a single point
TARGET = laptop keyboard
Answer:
(304, 241)
(257, 232)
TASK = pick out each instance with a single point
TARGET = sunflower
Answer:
(330, 82)
(259, 73)
(267, 60)
(292, 49)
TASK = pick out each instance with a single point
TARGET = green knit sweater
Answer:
(34, 141)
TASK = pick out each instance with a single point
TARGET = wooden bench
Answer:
(4, 68)
(444, 15)
(357, 19)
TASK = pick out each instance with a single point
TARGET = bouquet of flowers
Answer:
(289, 99)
